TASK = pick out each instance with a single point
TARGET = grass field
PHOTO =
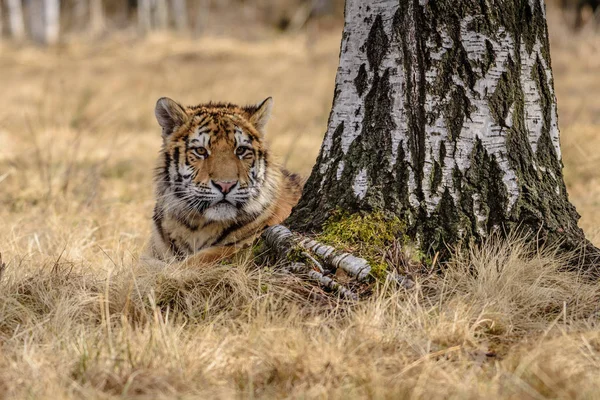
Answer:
(79, 319)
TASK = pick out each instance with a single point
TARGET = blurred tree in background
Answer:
(48, 21)
(578, 13)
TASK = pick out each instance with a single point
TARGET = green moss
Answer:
(374, 229)
(366, 235)
(378, 269)
(258, 248)
(297, 255)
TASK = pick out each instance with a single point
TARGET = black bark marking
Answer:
(441, 228)
(361, 80)
(456, 112)
(503, 97)
(413, 56)
(484, 177)
(377, 44)
(545, 149)
(490, 58)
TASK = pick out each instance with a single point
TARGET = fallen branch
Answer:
(325, 281)
(288, 245)
(279, 235)
(354, 266)
(281, 241)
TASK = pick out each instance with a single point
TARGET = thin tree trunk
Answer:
(15, 19)
(36, 20)
(144, 16)
(179, 11)
(202, 16)
(51, 21)
(444, 115)
(44, 18)
(160, 13)
(97, 19)
(81, 12)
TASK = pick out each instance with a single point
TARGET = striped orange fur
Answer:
(216, 185)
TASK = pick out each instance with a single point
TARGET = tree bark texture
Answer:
(444, 114)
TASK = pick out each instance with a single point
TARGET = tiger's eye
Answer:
(202, 152)
(241, 150)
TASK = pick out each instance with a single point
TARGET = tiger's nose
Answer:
(225, 186)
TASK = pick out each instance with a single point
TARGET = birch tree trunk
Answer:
(144, 14)
(202, 17)
(51, 21)
(36, 20)
(97, 18)
(15, 19)
(81, 12)
(160, 13)
(444, 115)
(179, 10)
(44, 16)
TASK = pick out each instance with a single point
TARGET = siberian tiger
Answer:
(216, 184)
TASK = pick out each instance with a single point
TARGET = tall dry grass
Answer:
(502, 321)
(80, 319)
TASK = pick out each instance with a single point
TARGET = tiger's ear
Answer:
(169, 115)
(261, 114)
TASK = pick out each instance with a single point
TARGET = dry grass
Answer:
(80, 319)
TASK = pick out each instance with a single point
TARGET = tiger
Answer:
(216, 184)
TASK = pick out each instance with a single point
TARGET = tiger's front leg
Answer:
(210, 256)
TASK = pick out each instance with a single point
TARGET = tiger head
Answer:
(214, 162)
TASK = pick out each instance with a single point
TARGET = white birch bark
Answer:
(51, 21)
(144, 15)
(481, 124)
(445, 116)
(283, 242)
(36, 20)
